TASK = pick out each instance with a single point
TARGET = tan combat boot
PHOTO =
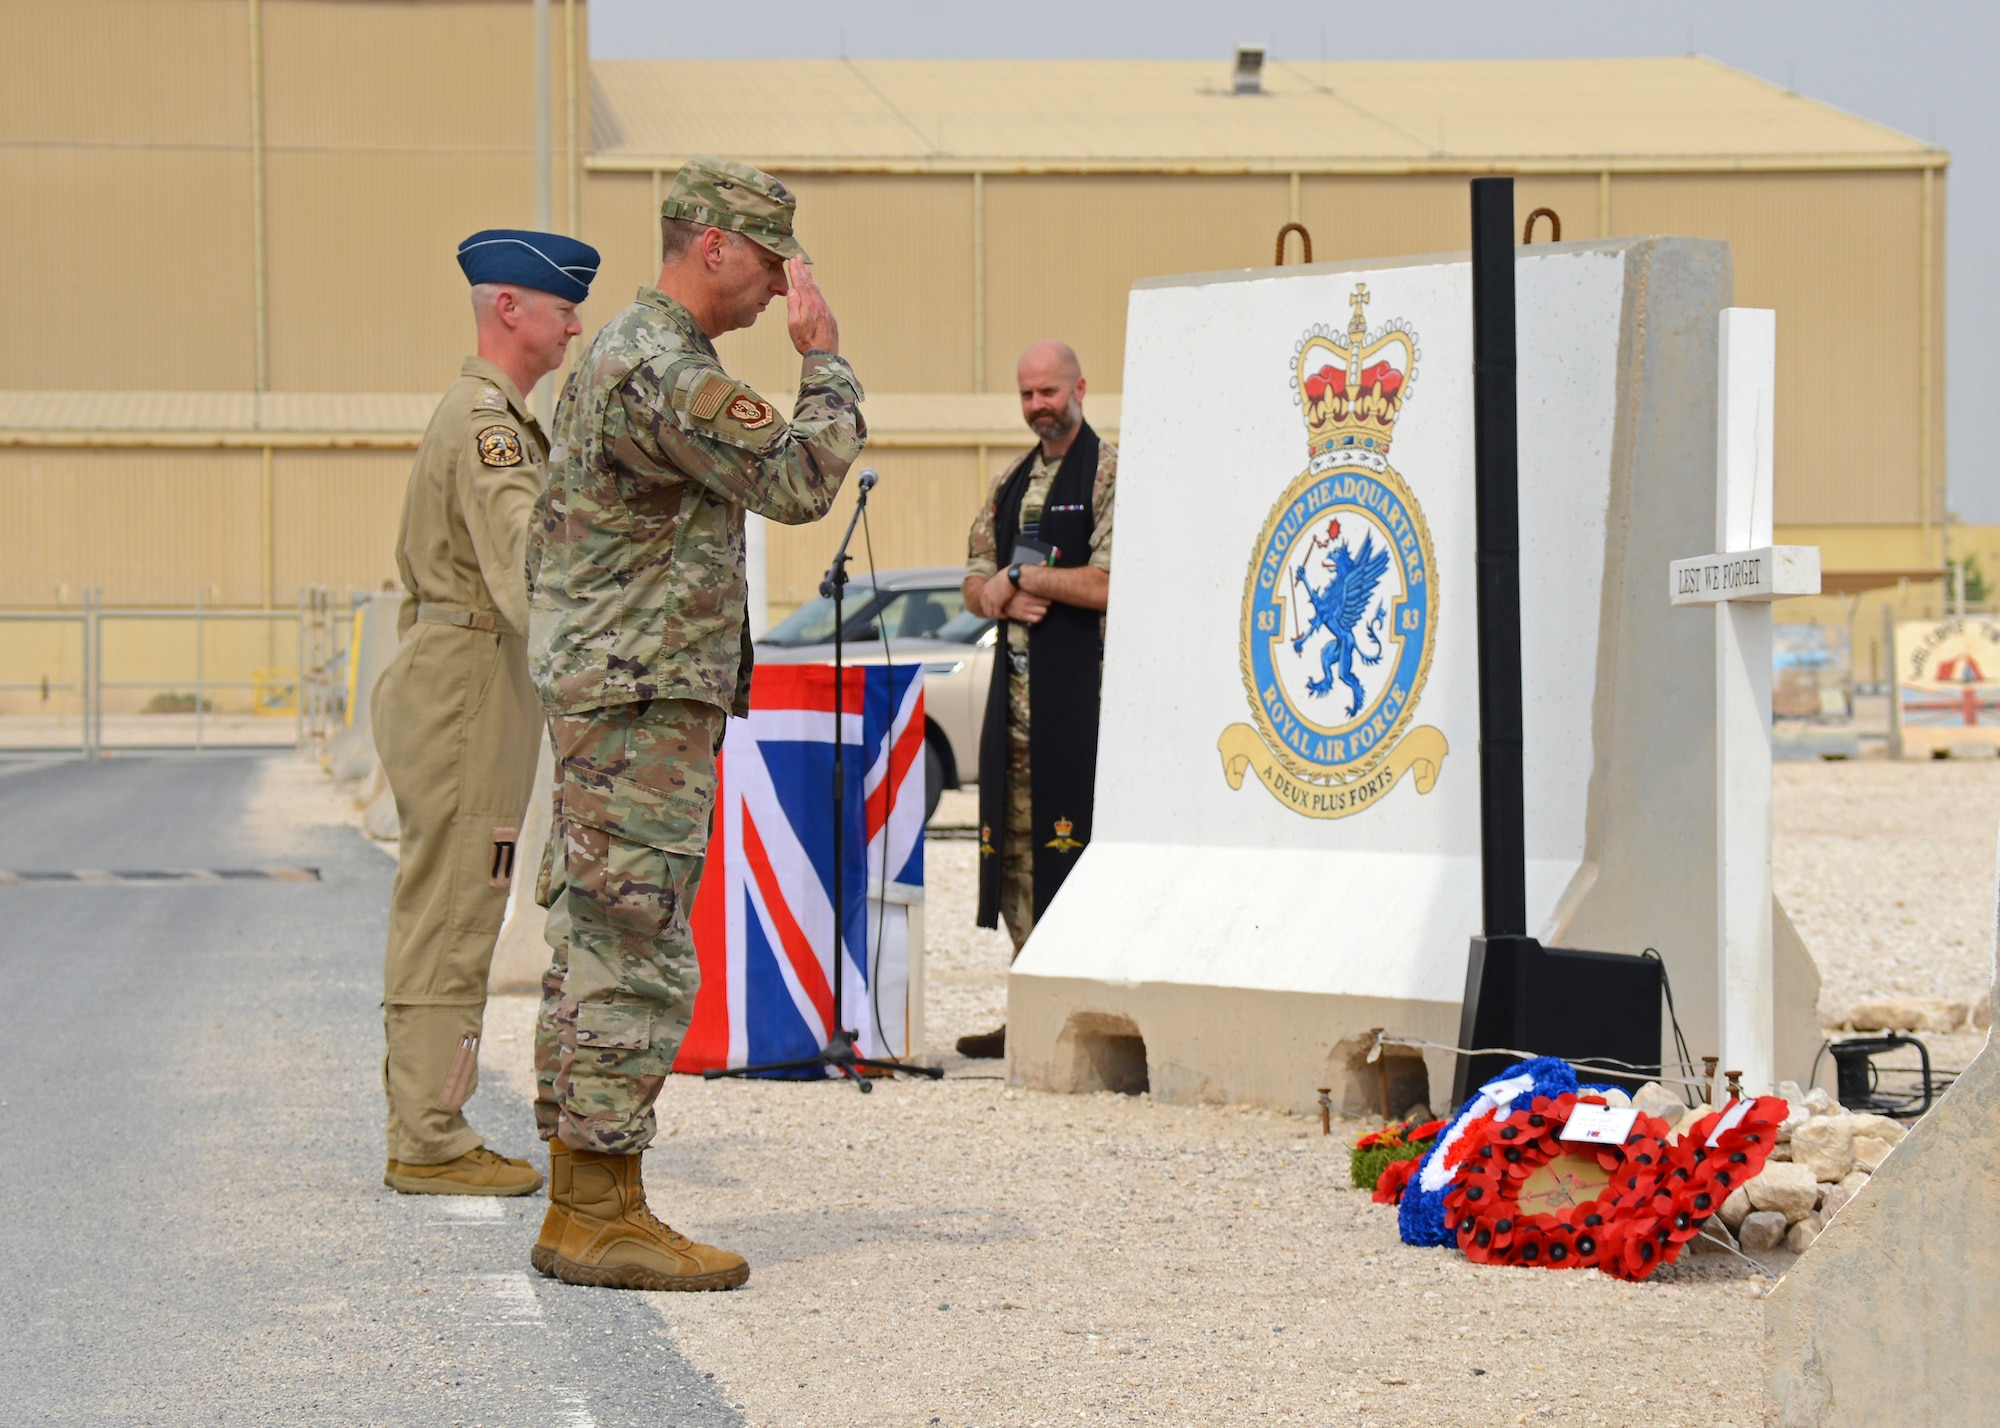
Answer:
(477, 1172)
(612, 1240)
(543, 1255)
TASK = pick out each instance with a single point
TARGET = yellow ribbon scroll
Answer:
(1420, 752)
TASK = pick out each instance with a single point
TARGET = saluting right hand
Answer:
(807, 315)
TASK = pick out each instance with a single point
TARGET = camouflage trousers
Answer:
(635, 787)
(1017, 853)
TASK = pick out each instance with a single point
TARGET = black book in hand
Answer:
(1030, 551)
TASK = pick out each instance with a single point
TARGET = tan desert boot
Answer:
(477, 1172)
(543, 1255)
(612, 1240)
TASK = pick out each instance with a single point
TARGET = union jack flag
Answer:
(763, 920)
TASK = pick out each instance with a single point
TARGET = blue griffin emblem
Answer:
(1340, 600)
(1338, 609)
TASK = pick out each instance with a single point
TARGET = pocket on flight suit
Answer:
(477, 905)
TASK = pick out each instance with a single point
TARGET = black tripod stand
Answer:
(839, 1055)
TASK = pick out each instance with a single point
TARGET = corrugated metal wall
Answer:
(394, 131)
(161, 527)
(148, 527)
(334, 517)
(127, 241)
(127, 262)
(1838, 255)
(1062, 253)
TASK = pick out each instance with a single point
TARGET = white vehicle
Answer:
(907, 617)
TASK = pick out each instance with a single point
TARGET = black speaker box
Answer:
(1556, 1001)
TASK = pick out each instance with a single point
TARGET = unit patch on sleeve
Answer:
(499, 446)
(750, 413)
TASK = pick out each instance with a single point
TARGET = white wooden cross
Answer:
(1741, 580)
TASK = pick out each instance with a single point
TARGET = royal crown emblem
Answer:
(1352, 392)
(1340, 602)
(1062, 842)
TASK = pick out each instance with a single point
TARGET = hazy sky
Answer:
(1925, 69)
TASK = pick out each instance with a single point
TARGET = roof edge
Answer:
(1913, 161)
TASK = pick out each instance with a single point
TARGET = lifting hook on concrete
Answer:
(1305, 242)
(1528, 228)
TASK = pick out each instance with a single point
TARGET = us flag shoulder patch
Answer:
(709, 396)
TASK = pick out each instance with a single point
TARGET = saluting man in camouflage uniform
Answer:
(639, 651)
(455, 716)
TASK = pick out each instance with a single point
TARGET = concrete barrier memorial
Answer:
(1286, 852)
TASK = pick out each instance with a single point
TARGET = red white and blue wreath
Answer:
(1522, 1194)
(1421, 1216)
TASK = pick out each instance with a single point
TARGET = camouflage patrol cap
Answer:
(721, 193)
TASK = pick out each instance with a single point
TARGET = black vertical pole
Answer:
(1519, 994)
(1496, 468)
(838, 576)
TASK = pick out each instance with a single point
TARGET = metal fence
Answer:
(312, 691)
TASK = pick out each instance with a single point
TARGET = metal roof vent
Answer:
(1249, 69)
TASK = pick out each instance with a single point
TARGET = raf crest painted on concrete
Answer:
(1340, 605)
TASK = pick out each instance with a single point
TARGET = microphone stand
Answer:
(840, 1055)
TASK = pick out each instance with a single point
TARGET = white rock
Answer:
(1734, 1208)
(1789, 1190)
(1834, 1201)
(1612, 1096)
(1823, 1145)
(1790, 1091)
(1852, 1183)
(1881, 1127)
(1796, 1115)
(1762, 1232)
(1982, 1011)
(1688, 1116)
(1653, 1099)
(1799, 1238)
(1869, 1151)
(1818, 1101)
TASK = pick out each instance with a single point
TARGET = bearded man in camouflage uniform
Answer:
(638, 646)
(1038, 746)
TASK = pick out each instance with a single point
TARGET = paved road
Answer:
(195, 1227)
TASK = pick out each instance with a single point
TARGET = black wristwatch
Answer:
(1014, 574)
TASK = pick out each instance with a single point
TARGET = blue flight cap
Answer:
(545, 261)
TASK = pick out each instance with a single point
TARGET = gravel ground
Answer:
(1887, 871)
(965, 1254)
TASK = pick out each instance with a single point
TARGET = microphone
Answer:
(868, 479)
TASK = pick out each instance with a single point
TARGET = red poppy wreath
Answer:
(1524, 1195)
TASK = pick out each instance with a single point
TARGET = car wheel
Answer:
(933, 778)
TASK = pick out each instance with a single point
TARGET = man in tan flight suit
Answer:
(456, 718)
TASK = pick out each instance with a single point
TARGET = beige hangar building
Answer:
(231, 298)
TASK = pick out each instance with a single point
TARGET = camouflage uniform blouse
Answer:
(636, 552)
